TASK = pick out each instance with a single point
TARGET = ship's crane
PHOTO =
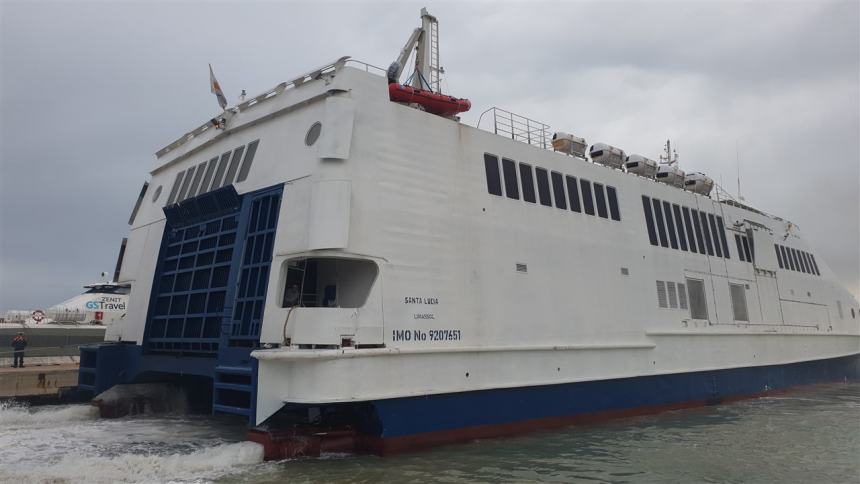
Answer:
(425, 42)
(423, 88)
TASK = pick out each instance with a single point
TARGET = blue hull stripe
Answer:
(434, 413)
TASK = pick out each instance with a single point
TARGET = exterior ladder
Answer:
(435, 69)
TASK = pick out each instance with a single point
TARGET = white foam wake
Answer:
(200, 466)
(13, 416)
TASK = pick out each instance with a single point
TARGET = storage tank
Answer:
(569, 144)
(699, 183)
(641, 166)
(607, 155)
(670, 175)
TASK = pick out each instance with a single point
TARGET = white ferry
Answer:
(355, 273)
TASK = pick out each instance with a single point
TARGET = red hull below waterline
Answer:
(432, 102)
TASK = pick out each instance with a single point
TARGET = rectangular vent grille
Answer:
(673, 295)
(228, 168)
(661, 295)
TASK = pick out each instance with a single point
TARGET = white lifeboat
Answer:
(699, 183)
(607, 155)
(670, 175)
(641, 166)
(569, 144)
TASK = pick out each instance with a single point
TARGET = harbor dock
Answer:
(37, 381)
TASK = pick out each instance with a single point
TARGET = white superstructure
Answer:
(413, 255)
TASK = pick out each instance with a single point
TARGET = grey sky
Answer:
(88, 92)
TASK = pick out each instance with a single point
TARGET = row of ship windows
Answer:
(565, 188)
(796, 260)
(212, 174)
(696, 231)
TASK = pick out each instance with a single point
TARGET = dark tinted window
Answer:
(183, 191)
(715, 235)
(175, 189)
(670, 225)
(218, 179)
(698, 228)
(543, 187)
(600, 200)
(752, 248)
(587, 202)
(746, 245)
(740, 247)
(195, 184)
(614, 214)
(795, 259)
(778, 256)
(649, 220)
(658, 219)
(249, 159)
(509, 169)
(207, 180)
(573, 194)
(558, 190)
(814, 265)
(494, 179)
(528, 181)
(786, 257)
(689, 229)
(706, 233)
(679, 224)
(802, 257)
(722, 231)
(234, 165)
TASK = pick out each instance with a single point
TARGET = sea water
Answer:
(811, 435)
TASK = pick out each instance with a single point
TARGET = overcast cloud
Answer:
(88, 92)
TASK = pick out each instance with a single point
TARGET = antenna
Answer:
(738, 160)
(671, 157)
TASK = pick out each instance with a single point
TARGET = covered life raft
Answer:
(432, 102)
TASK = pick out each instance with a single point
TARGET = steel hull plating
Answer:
(436, 419)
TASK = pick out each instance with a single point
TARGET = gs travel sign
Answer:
(106, 303)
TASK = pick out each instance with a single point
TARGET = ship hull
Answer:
(417, 422)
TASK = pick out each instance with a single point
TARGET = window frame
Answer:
(688, 227)
(612, 199)
(558, 190)
(658, 219)
(670, 225)
(587, 200)
(544, 191)
(573, 193)
(493, 174)
(679, 225)
(527, 186)
(649, 220)
(510, 179)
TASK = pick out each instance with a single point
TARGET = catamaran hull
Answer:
(401, 424)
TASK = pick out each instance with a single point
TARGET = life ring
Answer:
(38, 315)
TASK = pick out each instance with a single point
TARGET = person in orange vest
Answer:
(19, 342)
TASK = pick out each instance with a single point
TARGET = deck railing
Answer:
(518, 128)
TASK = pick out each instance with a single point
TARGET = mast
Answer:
(427, 68)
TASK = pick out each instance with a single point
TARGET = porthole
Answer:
(156, 194)
(313, 133)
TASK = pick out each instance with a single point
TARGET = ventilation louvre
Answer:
(661, 295)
